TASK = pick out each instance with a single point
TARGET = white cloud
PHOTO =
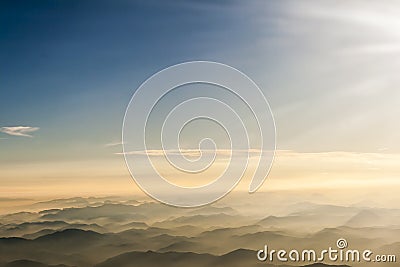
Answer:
(190, 152)
(117, 143)
(19, 130)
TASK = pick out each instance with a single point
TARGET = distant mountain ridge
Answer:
(124, 232)
(236, 258)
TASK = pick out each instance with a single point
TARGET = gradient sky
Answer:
(69, 68)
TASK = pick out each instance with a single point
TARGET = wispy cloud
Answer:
(116, 143)
(190, 152)
(19, 130)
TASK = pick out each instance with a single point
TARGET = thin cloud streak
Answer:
(19, 130)
(189, 152)
(117, 143)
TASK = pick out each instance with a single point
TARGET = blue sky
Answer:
(329, 71)
(70, 67)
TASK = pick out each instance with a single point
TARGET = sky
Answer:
(69, 68)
